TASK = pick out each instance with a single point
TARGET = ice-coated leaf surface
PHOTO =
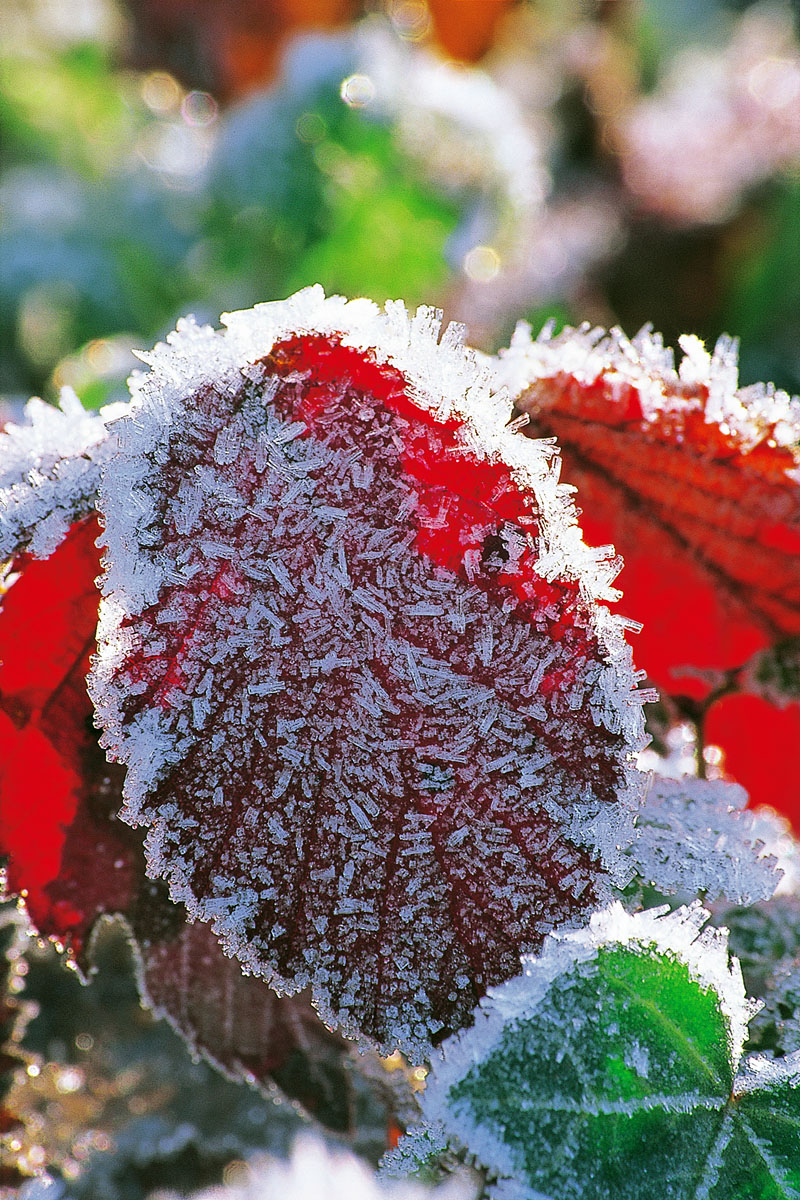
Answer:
(610, 1070)
(692, 478)
(693, 835)
(74, 861)
(49, 472)
(351, 655)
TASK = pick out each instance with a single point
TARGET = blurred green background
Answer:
(621, 162)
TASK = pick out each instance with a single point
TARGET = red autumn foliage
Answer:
(258, 650)
(706, 515)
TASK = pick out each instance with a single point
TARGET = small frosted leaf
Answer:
(610, 1070)
(774, 674)
(775, 1030)
(74, 861)
(238, 1023)
(351, 656)
(693, 478)
(50, 472)
(693, 835)
(316, 1173)
(762, 935)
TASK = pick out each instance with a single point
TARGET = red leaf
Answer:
(693, 480)
(52, 774)
(73, 860)
(249, 1032)
(761, 744)
(350, 659)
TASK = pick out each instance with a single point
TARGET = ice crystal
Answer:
(693, 836)
(50, 473)
(613, 1066)
(351, 655)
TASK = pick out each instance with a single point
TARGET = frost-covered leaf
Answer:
(237, 1022)
(610, 1070)
(74, 861)
(692, 478)
(693, 835)
(775, 1029)
(774, 674)
(761, 936)
(316, 1173)
(350, 654)
(50, 472)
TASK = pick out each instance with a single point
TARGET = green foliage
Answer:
(612, 1068)
(763, 295)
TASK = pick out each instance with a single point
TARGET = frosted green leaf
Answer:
(611, 1070)
(774, 673)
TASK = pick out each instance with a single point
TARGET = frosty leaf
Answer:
(693, 836)
(761, 935)
(49, 473)
(74, 861)
(774, 674)
(692, 478)
(249, 1032)
(775, 1029)
(611, 1069)
(350, 656)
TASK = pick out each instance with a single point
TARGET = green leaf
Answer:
(610, 1070)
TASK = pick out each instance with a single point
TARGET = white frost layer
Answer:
(447, 379)
(695, 835)
(50, 472)
(752, 414)
(316, 1173)
(676, 935)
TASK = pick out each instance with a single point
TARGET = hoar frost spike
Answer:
(351, 654)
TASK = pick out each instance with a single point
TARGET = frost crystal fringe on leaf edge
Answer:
(50, 472)
(752, 413)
